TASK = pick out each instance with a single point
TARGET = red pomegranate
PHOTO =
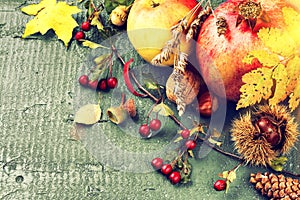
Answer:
(244, 18)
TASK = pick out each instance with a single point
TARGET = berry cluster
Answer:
(85, 26)
(166, 169)
(103, 84)
(145, 130)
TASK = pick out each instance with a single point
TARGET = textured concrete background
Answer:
(39, 159)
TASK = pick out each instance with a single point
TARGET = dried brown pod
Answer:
(264, 133)
(276, 186)
(130, 107)
(184, 90)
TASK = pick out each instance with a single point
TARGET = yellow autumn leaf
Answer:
(292, 18)
(293, 71)
(282, 53)
(88, 114)
(92, 45)
(50, 14)
(295, 97)
(258, 85)
(96, 21)
(281, 78)
(264, 57)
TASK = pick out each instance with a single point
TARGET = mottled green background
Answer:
(39, 159)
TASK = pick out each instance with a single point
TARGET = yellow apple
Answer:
(149, 23)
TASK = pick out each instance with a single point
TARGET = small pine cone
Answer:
(276, 186)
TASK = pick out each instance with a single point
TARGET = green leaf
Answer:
(278, 163)
(163, 109)
(102, 58)
(151, 85)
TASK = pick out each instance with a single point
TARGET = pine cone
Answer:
(276, 186)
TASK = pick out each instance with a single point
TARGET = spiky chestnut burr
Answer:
(264, 133)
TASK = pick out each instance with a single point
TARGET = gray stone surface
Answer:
(39, 159)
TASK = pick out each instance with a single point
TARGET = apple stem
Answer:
(154, 4)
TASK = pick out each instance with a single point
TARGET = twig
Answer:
(142, 88)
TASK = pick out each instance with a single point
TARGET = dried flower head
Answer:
(264, 133)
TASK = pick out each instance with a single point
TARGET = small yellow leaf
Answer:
(265, 58)
(88, 114)
(92, 45)
(163, 109)
(50, 15)
(224, 174)
(199, 128)
(258, 86)
(96, 21)
(295, 97)
(191, 153)
(215, 142)
(281, 78)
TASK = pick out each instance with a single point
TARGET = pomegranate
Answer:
(244, 18)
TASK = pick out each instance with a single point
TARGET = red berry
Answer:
(86, 26)
(190, 144)
(144, 130)
(83, 80)
(166, 169)
(175, 177)
(112, 82)
(185, 133)
(220, 185)
(155, 124)
(157, 163)
(79, 35)
(102, 85)
(93, 84)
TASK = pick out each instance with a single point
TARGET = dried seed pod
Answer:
(130, 107)
(264, 133)
(288, 188)
(117, 115)
(188, 86)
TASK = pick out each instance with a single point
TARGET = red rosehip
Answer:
(190, 144)
(83, 80)
(166, 169)
(112, 82)
(144, 130)
(157, 163)
(220, 185)
(93, 84)
(79, 35)
(86, 26)
(175, 177)
(102, 85)
(185, 133)
(155, 124)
